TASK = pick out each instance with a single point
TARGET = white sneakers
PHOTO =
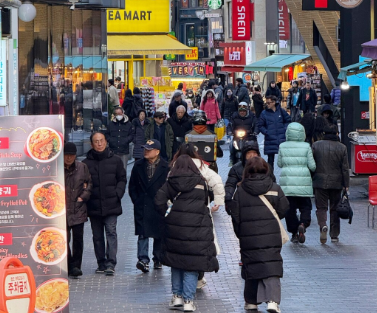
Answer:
(249, 306)
(201, 283)
(189, 306)
(176, 303)
(273, 307)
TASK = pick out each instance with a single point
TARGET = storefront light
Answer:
(345, 85)
(27, 12)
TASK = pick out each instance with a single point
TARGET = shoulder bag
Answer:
(283, 232)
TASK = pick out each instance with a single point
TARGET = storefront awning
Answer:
(356, 68)
(275, 62)
(370, 49)
(233, 69)
(119, 45)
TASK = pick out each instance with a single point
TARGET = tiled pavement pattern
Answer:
(339, 278)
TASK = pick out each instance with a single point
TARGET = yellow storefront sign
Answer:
(140, 16)
(194, 55)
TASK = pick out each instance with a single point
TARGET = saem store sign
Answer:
(140, 16)
(241, 18)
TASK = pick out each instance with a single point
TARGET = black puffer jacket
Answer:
(248, 123)
(257, 229)
(139, 136)
(174, 105)
(180, 128)
(228, 106)
(331, 158)
(109, 183)
(188, 237)
(258, 104)
(274, 92)
(129, 107)
(236, 172)
(242, 93)
(119, 135)
(76, 176)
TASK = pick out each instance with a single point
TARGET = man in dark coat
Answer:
(78, 185)
(109, 184)
(307, 99)
(273, 123)
(242, 93)
(250, 150)
(139, 125)
(258, 101)
(274, 90)
(177, 101)
(160, 130)
(147, 177)
(330, 177)
(334, 115)
(119, 135)
(181, 123)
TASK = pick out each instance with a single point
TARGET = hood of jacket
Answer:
(327, 107)
(250, 145)
(205, 92)
(185, 183)
(295, 132)
(125, 119)
(93, 155)
(257, 184)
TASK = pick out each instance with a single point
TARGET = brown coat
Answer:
(78, 183)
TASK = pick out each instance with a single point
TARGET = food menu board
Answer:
(32, 205)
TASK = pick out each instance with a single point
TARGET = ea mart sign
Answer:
(194, 55)
(140, 16)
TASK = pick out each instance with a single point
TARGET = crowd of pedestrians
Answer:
(174, 191)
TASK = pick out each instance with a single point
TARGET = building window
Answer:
(230, 29)
(190, 35)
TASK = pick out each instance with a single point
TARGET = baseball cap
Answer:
(159, 114)
(152, 144)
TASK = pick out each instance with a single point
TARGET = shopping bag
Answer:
(220, 129)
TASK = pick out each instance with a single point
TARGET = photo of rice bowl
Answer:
(44, 144)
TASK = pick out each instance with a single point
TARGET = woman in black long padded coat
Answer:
(259, 234)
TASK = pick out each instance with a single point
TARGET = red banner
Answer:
(8, 191)
(6, 239)
(241, 19)
(284, 27)
(320, 4)
(4, 143)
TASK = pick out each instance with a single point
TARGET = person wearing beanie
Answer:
(78, 186)
(332, 114)
(330, 178)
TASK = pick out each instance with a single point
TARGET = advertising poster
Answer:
(32, 205)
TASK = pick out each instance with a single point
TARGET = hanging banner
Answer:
(284, 27)
(194, 55)
(241, 20)
(188, 69)
(32, 206)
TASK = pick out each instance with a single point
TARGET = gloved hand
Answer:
(228, 207)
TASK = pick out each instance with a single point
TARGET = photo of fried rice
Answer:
(52, 296)
(49, 246)
(48, 199)
(44, 144)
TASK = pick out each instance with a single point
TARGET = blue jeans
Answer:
(106, 254)
(184, 283)
(143, 249)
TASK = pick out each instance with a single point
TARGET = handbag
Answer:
(344, 208)
(283, 232)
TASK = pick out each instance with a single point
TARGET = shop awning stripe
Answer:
(353, 69)
(275, 62)
(143, 45)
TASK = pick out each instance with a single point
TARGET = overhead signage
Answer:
(332, 5)
(188, 69)
(238, 53)
(349, 4)
(212, 15)
(141, 16)
(194, 55)
(3, 72)
(33, 211)
(241, 13)
(215, 4)
(284, 21)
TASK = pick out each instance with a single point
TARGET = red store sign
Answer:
(237, 53)
(284, 27)
(241, 18)
(364, 159)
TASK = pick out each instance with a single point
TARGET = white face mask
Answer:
(119, 117)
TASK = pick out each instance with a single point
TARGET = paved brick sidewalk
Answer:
(339, 278)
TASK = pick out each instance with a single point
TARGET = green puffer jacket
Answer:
(296, 159)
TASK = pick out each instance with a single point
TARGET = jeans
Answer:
(184, 283)
(105, 254)
(271, 160)
(75, 255)
(304, 204)
(124, 158)
(322, 197)
(143, 249)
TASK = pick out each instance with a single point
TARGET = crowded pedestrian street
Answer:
(333, 277)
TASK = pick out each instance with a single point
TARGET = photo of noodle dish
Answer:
(48, 199)
(52, 296)
(49, 246)
(44, 144)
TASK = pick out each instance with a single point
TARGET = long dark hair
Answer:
(184, 165)
(255, 165)
(187, 149)
(205, 96)
(319, 126)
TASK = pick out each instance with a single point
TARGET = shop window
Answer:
(217, 25)
(150, 68)
(190, 35)
(193, 3)
(138, 72)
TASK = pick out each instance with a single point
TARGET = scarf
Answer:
(200, 129)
